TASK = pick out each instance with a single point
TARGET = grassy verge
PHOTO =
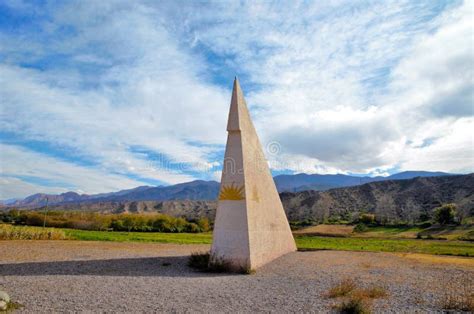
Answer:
(451, 232)
(179, 238)
(390, 232)
(386, 245)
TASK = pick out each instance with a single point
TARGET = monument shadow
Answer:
(168, 266)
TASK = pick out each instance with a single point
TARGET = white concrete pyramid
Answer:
(251, 227)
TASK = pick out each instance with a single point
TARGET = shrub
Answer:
(35, 219)
(204, 224)
(180, 225)
(360, 227)
(445, 214)
(199, 260)
(192, 227)
(367, 219)
(202, 261)
(163, 223)
(425, 225)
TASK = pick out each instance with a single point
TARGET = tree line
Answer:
(148, 222)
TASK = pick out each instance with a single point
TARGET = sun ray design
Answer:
(231, 192)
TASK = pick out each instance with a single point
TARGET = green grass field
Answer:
(460, 248)
(377, 243)
(179, 238)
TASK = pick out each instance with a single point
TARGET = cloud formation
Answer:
(137, 92)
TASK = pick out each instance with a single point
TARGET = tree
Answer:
(445, 214)
(129, 222)
(367, 219)
(204, 224)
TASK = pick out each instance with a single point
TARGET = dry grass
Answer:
(348, 286)
(374, 292)
(458, 295)
(9, 232)
(199, 260)
(342, 288)
(202, 261)
(438, 259)
(327, 230)
(355, 299)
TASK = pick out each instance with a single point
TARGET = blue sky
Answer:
(98, 96)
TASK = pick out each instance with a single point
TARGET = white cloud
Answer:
(452, 152)
(149, 96)
(18, 162)
(365, 87)
(11, 187)
(349, 89)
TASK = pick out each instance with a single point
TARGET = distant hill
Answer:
(320, 182)
(195, 190)
(393, 200)
(405, 200)
(208, 190)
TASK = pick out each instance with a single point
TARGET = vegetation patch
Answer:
(326, 230)
(8, 232)
(149, 222)
(374, 292)
(354, 298)
(342, 288)
(355, 305)
(12, 306)
(458, 297)
(361, 227)
(202, 261)
(458, 248)
(179, 238)
(304, 243)
(199, 260)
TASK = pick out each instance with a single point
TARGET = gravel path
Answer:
(75, 276)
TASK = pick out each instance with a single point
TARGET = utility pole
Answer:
(45, 213)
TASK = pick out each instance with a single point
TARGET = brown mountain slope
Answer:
(405, 200)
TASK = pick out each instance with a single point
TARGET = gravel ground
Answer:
(75, 276)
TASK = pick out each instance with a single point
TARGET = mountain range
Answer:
(208, 190)
(409, 200)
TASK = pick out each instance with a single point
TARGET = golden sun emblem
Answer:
(231, 193)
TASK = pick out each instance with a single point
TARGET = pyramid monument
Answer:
(251, 228)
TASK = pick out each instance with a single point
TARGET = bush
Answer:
(445, 214)
(204, 225)
(425, 225)
(202, 261)
(360, 227)
(367, 219)
(199, 260)
(35, 219)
